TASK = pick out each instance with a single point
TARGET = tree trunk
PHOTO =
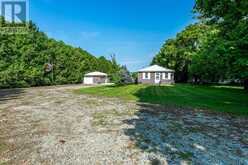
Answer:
(246, 84)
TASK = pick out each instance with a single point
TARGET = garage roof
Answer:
(96, 74)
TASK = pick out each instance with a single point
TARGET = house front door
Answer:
(157, 78)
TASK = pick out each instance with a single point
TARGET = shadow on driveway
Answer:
(10, 94)
(179, 136)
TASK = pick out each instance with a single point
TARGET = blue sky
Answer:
(134, 30)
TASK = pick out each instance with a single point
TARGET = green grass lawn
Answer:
(218, 98)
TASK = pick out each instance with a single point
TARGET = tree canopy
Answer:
(230, 46)
(178, 53)
(215, 48)
(23, 58)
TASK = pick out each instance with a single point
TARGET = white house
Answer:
(156, 75)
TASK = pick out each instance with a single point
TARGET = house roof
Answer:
(155, 68)
(96, 74)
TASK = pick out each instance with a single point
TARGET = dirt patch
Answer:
(111, 117)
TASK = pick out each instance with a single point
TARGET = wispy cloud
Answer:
(88, 34)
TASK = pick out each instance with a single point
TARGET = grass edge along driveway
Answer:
(228, 99)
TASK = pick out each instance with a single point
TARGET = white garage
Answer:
(95, 78)
(88, 80)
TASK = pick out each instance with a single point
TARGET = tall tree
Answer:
(125, 76)
(231, 44)
(178, 53)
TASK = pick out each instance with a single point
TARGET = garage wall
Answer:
(88, 80)
(95, 80)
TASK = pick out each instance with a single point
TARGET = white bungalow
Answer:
(156, 75)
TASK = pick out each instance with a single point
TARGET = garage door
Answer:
(88, 80)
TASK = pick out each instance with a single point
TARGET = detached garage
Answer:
(95, 78)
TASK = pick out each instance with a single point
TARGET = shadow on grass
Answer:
(227, 100)
(10, 94)
(175, 134)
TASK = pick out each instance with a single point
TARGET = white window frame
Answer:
(172, 76)
(146, 76)
(164, 76)
(169, 76)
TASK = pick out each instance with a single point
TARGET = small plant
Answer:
(185, 155)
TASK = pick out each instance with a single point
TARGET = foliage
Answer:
(230, 46)
(135, 77)
(115, 72)
(125, 76)
(23, 59)
(213, 50)
(218, 98)
(178, 53)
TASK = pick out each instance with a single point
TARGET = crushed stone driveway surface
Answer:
(56, 126)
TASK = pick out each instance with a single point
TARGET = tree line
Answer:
(24, 59)
(214, 49)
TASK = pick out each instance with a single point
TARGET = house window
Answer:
(157, 76)
(165, 76)
(172, 76)
(146, 75)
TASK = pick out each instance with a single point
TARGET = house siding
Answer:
(152, 78)
(146, 81)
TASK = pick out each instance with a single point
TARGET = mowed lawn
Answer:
(218, 98)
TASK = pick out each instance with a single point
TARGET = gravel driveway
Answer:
(54, 125)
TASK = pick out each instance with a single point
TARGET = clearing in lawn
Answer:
(218, 98)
